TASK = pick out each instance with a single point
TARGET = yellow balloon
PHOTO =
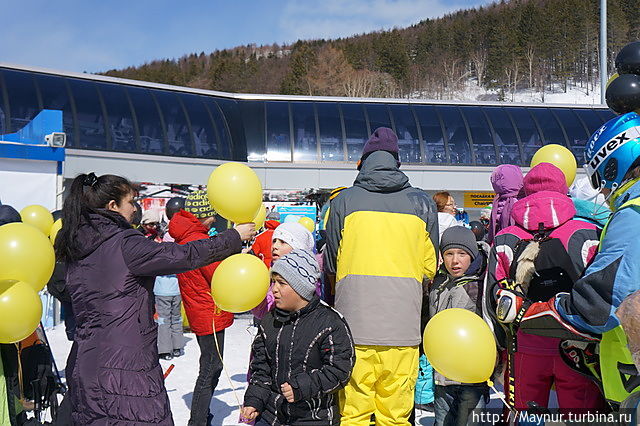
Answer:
(240, 283)
(308, 223)
(235, 192)
(39, 217)
(27, 255)
(560, 157)
(460, 346)
(20, 311)
(57, 226)
(260, 217)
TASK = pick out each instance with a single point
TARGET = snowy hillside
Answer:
(575, 94)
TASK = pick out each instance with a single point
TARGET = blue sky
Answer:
(93, 35)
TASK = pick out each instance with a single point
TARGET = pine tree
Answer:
(302, 59)
(392, 56)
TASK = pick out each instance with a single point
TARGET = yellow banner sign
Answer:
(477, 200)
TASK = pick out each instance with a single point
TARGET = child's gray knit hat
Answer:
(300, 269)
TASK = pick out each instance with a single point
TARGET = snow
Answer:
(575, 94)
(180, 382)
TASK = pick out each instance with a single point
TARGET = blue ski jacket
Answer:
(613, 275)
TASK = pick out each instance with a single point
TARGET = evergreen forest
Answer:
(542, 45)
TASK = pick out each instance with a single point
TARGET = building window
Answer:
(483, 147)
(355, 130)
(457, 137)
(23, 99)
(175, 121)
(89, 116)
(119, 117)
(434, 148)
(407, 131)
(305, 147)
(149, 122)
(529, 135)
(202, 129)
(330, 127)
(506, 140)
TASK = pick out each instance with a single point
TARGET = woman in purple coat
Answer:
(113, 371)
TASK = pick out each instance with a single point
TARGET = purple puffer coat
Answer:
(113, 371)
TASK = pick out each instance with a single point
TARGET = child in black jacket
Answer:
(303, 353)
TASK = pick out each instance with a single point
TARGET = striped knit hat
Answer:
(197, 203)
(300, 270)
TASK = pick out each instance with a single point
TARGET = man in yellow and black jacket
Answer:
(381, 243)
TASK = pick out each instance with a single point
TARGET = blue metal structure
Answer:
(115, 115)
(28, 142)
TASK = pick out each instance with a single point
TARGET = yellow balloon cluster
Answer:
(560, 157)
(235, 192)
(20, 310)
(27, 255)
(39, 217)
(460, 346)
(240, 283)
(26, 263)
(308, 223)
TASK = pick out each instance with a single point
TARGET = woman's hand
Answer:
(246, 230)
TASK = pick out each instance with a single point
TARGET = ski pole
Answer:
(169, 370)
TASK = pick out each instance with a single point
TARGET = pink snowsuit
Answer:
(538, 363)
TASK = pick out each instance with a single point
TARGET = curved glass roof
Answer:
(131, 118)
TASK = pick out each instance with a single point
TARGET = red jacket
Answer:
(262, 245)
(195, 285)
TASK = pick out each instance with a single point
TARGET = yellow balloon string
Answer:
(224, 367)
(20, 378)
(506, 404)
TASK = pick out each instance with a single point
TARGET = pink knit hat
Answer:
(545, 177)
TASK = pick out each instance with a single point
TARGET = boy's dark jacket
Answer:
(312, 350)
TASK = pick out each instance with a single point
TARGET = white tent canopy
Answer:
(26, 182)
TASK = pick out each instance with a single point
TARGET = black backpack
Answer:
(34, 376)
(541, 266)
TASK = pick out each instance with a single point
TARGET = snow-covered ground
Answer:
(181, 380)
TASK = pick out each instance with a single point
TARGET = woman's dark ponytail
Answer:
(87, 194)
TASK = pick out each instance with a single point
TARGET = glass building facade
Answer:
(131, 118)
